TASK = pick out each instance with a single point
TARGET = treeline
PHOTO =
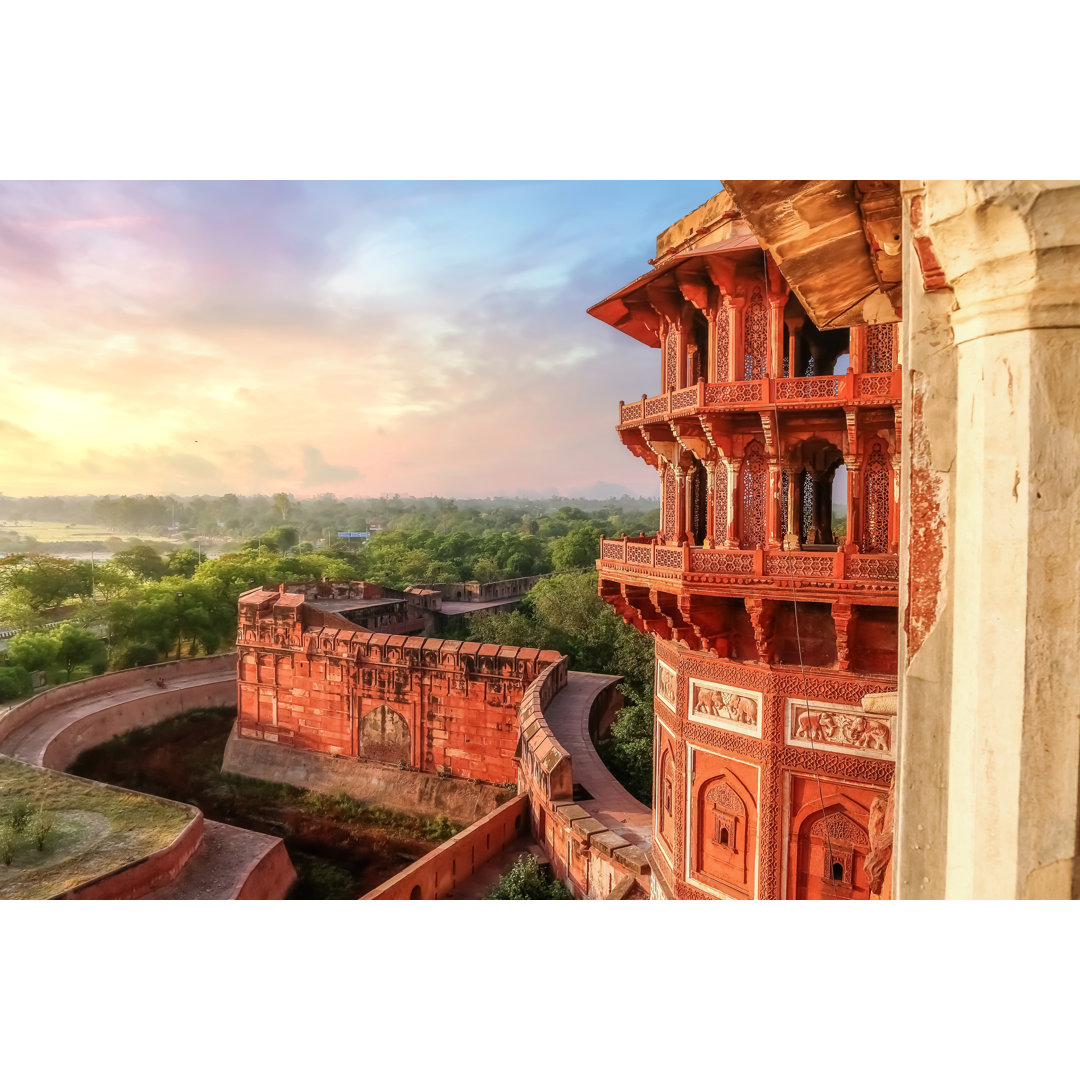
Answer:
(319, 518)
(565, 613)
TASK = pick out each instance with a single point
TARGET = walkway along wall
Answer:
(595, 862)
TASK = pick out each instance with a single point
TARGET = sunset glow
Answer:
(360, 338)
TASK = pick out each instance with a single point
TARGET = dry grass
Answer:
(98, 830)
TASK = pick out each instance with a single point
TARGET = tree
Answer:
(142, 561)
(75, 646)
(282, 504)
(33, 650)
(17, 611)
(14, 682)
(47, 580)
(528, 880)
(183, 562)
(580, 547)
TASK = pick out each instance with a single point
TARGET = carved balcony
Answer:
(811, 392)
(817, 576)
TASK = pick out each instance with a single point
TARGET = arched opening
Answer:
(384, 735)
(839, 505)
(837, 871)
(811, 470)
(820, 350)
(724, 837)
(415, 894)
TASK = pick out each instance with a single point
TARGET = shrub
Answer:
(40, 828)
(528, 880)
(8, 843)
(14, 682)
(19, 813)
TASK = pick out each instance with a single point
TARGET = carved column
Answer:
(795, 346)
(761, 614)
(844, 621)
(855, 349)
(680, 475)
(776, 339)
(773, 525)
(710, 504)
(854, 503)
(737, 359)
(794, 508)
(732, 466)
(710, 359)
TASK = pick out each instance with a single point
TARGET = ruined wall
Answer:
(431, 705)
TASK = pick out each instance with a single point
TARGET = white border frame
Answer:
(718, 722)
(670, 703)
(691, 748)
(792, 704)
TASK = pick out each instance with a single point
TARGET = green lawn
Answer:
(96, 829)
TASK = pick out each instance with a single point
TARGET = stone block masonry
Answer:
(311, 680)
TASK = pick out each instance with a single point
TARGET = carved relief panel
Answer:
(838, 727)
(723, 706)
(666, 681)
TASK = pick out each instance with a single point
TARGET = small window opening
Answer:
(724, 837)
(837, 871)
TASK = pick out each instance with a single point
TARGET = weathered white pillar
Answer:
(989, 762)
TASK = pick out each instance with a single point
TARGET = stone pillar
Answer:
(987, 793)
(710, 505)
(732, 466)
(794, 507)
(710, 359)
(737, 360)
(854, 503)
(680, 503)
(774, 527)
(775, 366)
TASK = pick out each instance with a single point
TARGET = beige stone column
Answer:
(710, 504)
(987, 791)
(794, 505)
(732, 466)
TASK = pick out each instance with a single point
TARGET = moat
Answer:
(341, 848)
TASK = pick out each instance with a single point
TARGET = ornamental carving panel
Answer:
(684, 399)
(732, 393)
(755, 479)
(792, 565)
(720, 521)
(824, 386)
(721, 562)
(671, 360)
(641, 554)
(877, 497)
(755, 362)
(723, 342)
(611, 549)
(671, 558)
(656, 406)
(669, 503)
(823, 724)
(666, 680)
(840, 827)
(723, 706)
(874, 386)
(874, 567)
(880, 347)
(633, 411)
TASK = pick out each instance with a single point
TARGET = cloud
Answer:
(318, 472)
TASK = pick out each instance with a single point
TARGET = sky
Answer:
(361, 338)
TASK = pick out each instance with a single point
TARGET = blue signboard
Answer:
(361, 535)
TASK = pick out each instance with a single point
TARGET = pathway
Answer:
(567, 716)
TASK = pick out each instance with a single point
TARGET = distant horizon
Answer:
(309, 336)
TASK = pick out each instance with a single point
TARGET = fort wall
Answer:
(439, 872)
(310, 680)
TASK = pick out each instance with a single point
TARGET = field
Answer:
(95, 829)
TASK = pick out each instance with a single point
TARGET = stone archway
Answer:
(384, 736)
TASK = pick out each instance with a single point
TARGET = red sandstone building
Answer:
(772, 596)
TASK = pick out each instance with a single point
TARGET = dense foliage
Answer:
(565, 613)
(528, 880)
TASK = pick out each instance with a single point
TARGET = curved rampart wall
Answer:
(108, 705)
(594, 862)
(135, 880)
(440, 871)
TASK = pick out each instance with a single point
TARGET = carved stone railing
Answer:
(645, 557)
(816, 389)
